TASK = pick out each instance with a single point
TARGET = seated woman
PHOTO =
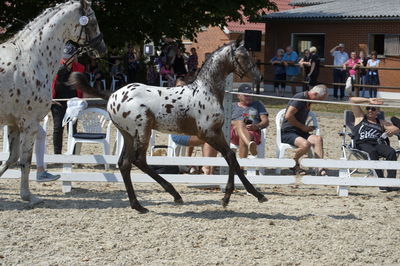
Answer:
(369, 134)
(167, 73)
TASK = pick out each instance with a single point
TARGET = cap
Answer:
(69, 50)
(245, 88)
(341, 45)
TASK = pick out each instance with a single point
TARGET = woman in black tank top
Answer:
(367, 131)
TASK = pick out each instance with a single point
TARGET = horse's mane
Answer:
(210, 58)
(46, 14)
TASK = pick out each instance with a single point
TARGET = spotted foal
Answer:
(194, 109)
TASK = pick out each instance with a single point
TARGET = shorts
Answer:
(290, 137)
(255, 136)
(181, 139)
(291, 77)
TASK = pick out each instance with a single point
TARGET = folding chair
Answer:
(282, 147)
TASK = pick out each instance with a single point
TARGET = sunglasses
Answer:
(373, 109)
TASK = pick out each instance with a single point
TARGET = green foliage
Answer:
(139, 21)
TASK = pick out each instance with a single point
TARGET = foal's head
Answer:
(243, 62)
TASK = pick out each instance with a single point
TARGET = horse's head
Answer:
(90, 34)
(243, 62)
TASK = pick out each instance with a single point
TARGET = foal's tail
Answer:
(79, 81)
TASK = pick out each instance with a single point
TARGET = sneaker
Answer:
(253, 148)
(46, 177)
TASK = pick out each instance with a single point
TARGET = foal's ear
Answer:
(239, 41)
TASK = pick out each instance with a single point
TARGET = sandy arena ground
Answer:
(302, 225)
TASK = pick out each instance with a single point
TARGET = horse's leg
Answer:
(13, 140)
(125, 165)
(218, 142)
(141, 163)
(27, 138)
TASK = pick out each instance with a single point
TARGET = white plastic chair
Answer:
(162, 81)
(114, 82)
(282, 147)
(96, 125)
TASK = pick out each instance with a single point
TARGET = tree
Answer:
(139, 21)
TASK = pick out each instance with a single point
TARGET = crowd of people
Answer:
(288, 65)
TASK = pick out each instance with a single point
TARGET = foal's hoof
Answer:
(263, 199)
(141, 209)
(179, 201)
(224, 203)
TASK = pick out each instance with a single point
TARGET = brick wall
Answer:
(353, 34)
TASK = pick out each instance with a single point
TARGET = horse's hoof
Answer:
(224, 203)
(263, 199)
(142, 210)
(179, 201)
(33, 201)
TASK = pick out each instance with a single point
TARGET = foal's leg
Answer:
(218, 142)
(141, 163)
(125, 165)
(13, 140)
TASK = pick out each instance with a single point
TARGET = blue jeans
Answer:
(339, 76)
(373, 80)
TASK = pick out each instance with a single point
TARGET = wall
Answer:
(353, 34)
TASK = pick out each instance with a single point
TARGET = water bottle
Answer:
(252, 115)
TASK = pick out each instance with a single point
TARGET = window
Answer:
(385, 44)
(302, 41)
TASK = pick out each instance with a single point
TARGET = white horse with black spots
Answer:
(28, 64)
(194, 109)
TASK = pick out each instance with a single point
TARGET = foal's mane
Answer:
(43, 17)
(210, 58)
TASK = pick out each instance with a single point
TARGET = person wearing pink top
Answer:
(353, 63)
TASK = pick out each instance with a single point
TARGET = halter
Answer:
(88, 45)
(242, 70)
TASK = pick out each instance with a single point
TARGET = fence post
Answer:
(226, 128)
(343, 191)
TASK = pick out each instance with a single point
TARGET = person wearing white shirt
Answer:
(372, 74)
(339, 75)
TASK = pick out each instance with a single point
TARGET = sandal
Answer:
(298, 171)
(252, 148)
(321, 172)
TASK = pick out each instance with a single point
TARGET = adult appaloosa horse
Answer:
(28, 63)
(194, 109)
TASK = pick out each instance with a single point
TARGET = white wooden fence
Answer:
(343, 180)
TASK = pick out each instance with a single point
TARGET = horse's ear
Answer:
(85, 4)
(239, 40)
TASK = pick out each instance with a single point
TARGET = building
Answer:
(211, 38)
(360, 24)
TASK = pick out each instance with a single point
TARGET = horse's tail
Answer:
(79, 81)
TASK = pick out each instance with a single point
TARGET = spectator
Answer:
(61, 90)
(179, 64)
(363, 72)
(339, 75)
(353, 63)
(372, 74)
(248, 118)
(305, 64)
(314, 68)
(132, 64)
(95, 74)
(40, 146)
(295, 131)
(368, 134)
(167, 73)
(152, 75)
(290, 58)
(193, 141)
(113, 55)
(117, 72)
(280, 72)
(193, 62)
